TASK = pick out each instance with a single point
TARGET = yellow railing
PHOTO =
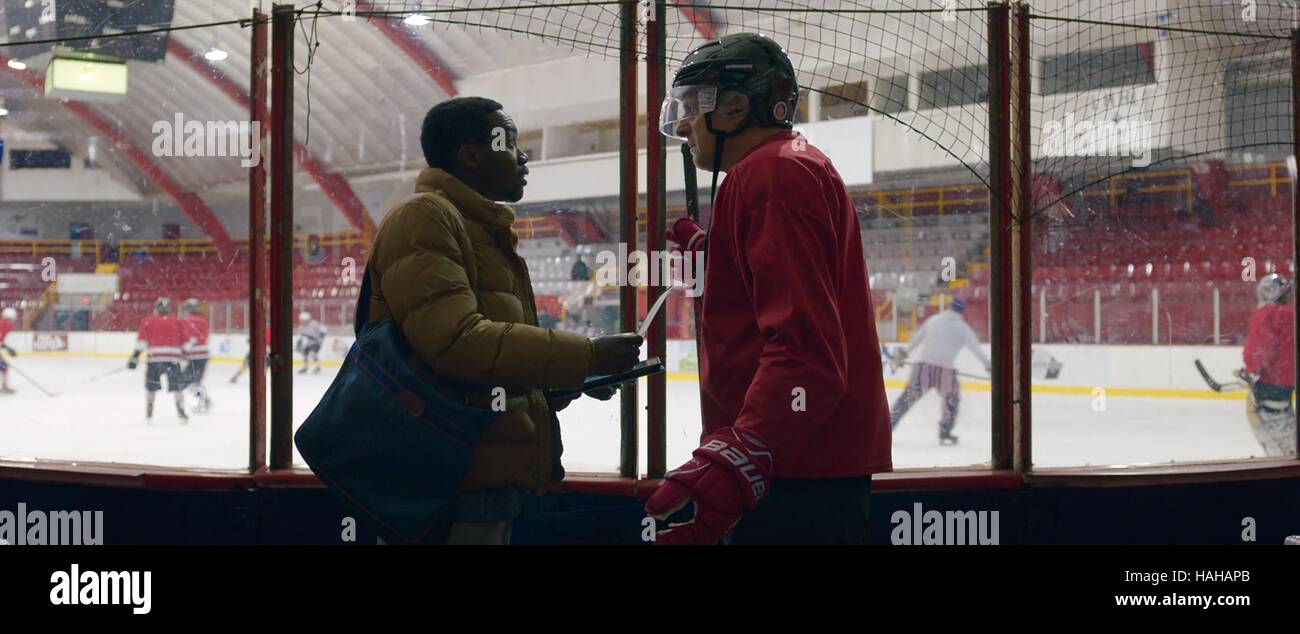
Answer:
(528, 227)
(39, 248)
(191, 246)
(900, 202)
(1277, 175)
(183, 246)
(47, 298)
(903, 202)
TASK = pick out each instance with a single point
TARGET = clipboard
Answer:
(653, 365)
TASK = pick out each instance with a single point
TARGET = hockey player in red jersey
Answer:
(1270, 368)
(7, 319)
(196, 329)
(161, 337)
(795, 418)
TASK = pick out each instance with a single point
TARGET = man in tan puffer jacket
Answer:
(444, 266)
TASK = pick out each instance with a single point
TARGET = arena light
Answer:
(87, 77)
(215, 54)
(17, 65)
(416, 19)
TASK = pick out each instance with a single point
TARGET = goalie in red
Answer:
(8, 318)
(792, 395)
(196, 329)
(1270, 368)
(161, 336)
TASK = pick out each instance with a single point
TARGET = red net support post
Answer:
(281, 298)
(257, 246)
(627, 199)
(1022, 211)
(1295, 207)
(656, 188)
(1001, 315)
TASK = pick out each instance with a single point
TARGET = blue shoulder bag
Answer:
(391, 446)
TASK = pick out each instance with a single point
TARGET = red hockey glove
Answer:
(686, 235)
(688, 238)
(728, 475)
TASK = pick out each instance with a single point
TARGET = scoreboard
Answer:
(35, 20)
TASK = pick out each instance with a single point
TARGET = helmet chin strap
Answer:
(720, 141)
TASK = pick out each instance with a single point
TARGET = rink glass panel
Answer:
(1135, 279)
(380, 138)
(1160, 199)
(925, 247)
(89, 241)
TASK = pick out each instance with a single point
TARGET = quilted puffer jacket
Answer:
(444, 266)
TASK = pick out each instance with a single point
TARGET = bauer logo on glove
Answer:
(728, 475)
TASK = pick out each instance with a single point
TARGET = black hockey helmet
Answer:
(190, 306)
(748, 63)
(1273, 289)
(162, 306)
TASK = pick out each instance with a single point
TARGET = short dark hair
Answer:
(453, 123)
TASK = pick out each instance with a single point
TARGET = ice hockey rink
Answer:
(98, 416)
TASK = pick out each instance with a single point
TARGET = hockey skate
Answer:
(201, 401)
(947, 439)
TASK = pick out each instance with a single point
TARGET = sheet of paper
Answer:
(654, 310)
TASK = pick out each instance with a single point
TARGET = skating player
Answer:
(310, 339)
(196, 353)
(248, 358)
(793, 404)
(7, 318)
(943, 335)
(161, 337)
(1270, 368)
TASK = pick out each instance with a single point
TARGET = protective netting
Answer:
(1113, 81)
(1120, 87)
(1117, 84)
(919, 63)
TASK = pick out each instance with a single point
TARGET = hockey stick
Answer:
(892, 359)
(32, 381)
(693, 212)
(1217, 386)
(109, 373)
(692, 189)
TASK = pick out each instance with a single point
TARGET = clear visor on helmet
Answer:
(682, 103)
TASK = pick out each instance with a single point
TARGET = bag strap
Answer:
(363, 304)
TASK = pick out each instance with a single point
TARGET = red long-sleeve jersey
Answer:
(788, 337)
(1270, 343)
(161, 337)
(6, 327)
(196, 331)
